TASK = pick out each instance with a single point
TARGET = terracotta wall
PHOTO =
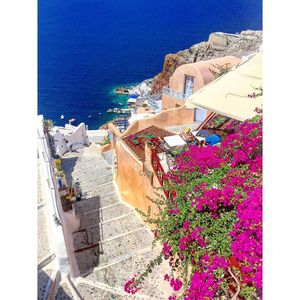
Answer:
(170, 117)
(170, 102)
(200, 71)
(202, 76)
(133, 186)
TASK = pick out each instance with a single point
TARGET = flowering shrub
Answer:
(213, 217)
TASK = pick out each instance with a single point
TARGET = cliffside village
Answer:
(93, 180)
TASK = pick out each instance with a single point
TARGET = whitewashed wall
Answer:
(75, 140)
(61, 224)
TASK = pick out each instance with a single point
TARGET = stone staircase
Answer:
(112, 243)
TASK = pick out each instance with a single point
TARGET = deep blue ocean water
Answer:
(87, 47)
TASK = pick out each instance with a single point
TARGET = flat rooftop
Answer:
(136, 142)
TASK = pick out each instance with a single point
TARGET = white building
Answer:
(70, 138)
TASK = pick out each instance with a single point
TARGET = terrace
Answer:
(152, 135)
(164, 146)
(167, 90)
(217, 124)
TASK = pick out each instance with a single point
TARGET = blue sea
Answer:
(88, 47)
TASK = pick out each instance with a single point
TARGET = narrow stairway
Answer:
(112, 244)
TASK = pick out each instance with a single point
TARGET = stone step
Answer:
(87, 158)
(100, 190)
(81, 161)
(63, 292)
(92, 176)
(77, 168)
(96, 184)
(90, 164)
(116, 275)
(102, 215)
(94, 290)
(105, 231)
(91, 172)
(113, 250)
(72, 155)
(91, 293)
(89, 204)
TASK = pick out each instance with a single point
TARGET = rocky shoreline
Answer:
(139, 89)
(219, 44)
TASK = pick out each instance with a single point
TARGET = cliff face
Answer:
(219, 44)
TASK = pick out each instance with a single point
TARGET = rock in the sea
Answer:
(122, 91)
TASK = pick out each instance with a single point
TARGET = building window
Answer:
(188, 85)
(200, 114)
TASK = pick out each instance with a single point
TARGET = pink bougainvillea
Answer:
(131, 286)
(215, 213)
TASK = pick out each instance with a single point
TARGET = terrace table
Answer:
(201, 139)
(204, 133)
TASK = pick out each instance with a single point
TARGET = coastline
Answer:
(139, 89)
(219, 44)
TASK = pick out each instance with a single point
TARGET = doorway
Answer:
(188, 85)
(200, 114)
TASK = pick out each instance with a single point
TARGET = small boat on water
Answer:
(72, 121)
(62, 117)
(121, 104)
(89, 116)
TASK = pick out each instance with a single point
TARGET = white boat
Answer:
(62, 117)
(120, 103)
(72, 121)
(89, 116)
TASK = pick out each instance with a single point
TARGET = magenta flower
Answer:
(176, 284)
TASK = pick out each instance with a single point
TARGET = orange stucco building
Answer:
(134, 165)
(189, 78)
(134, 171)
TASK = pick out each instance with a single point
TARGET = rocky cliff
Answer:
(219, 44)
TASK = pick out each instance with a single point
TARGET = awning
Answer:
(228, 95)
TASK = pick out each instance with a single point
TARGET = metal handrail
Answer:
(51, 175)
(170, 92)
(159, 171)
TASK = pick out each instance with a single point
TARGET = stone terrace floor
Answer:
(112, 243)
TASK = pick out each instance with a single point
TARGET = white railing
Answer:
(177, 95)
(52, 198)
(155, 104)
(47, 159)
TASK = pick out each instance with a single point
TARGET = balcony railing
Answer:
(177, 95)
(159, 171)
